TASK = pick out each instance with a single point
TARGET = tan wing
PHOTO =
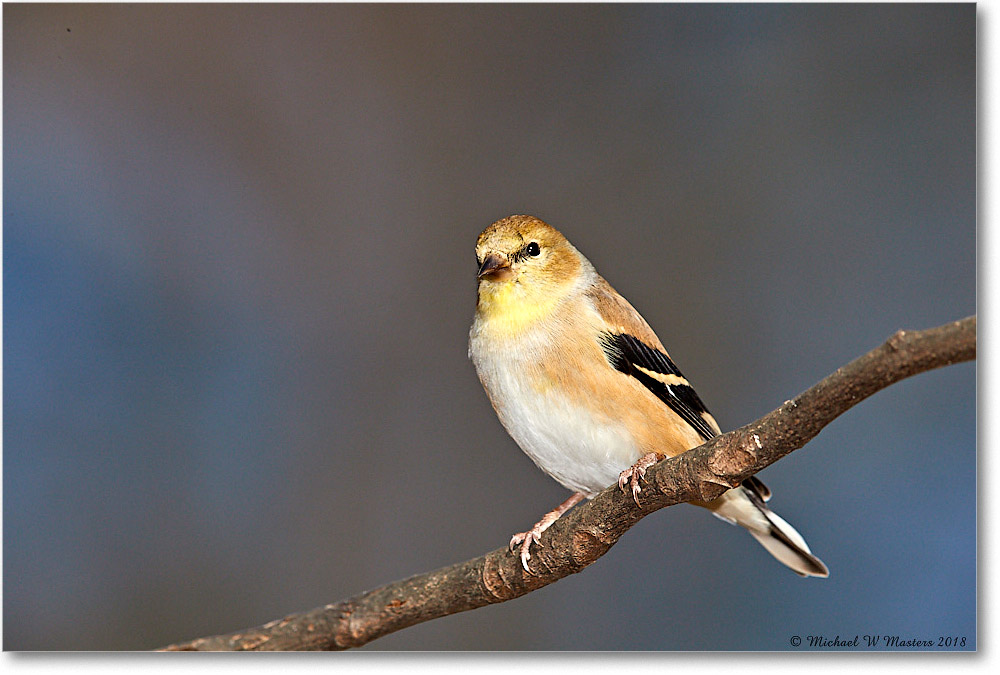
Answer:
(620, 315)
(633, 349)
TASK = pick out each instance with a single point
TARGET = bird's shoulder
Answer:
(618, 315)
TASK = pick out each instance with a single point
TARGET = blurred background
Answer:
(239, 277)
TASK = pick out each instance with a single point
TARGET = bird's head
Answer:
(523, 249)
(524, 262)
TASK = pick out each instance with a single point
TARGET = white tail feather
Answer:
(772, 531)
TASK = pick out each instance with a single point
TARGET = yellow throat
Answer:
(508, 308)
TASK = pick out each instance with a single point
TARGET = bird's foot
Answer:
(632, 475)
(525, 539)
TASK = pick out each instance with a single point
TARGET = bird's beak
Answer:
(495, 268)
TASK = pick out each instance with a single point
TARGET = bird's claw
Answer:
(534, 535)
(525, 539)
(635, 473)
(631, 477)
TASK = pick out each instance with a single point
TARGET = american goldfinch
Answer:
(583, 385)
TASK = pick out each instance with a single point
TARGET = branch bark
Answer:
(588, 531)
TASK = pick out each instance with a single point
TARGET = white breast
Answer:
(583, 453)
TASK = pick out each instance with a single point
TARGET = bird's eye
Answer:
(533, 249)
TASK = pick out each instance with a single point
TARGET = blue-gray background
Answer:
(239, 275)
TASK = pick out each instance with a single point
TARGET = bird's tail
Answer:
(745, 506)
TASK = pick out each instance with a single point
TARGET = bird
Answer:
(585, 387)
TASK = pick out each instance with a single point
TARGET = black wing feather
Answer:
(625, 352)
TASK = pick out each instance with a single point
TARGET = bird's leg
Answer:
(535, 533)
(634, 474)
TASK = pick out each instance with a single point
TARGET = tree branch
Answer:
(588, 531)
